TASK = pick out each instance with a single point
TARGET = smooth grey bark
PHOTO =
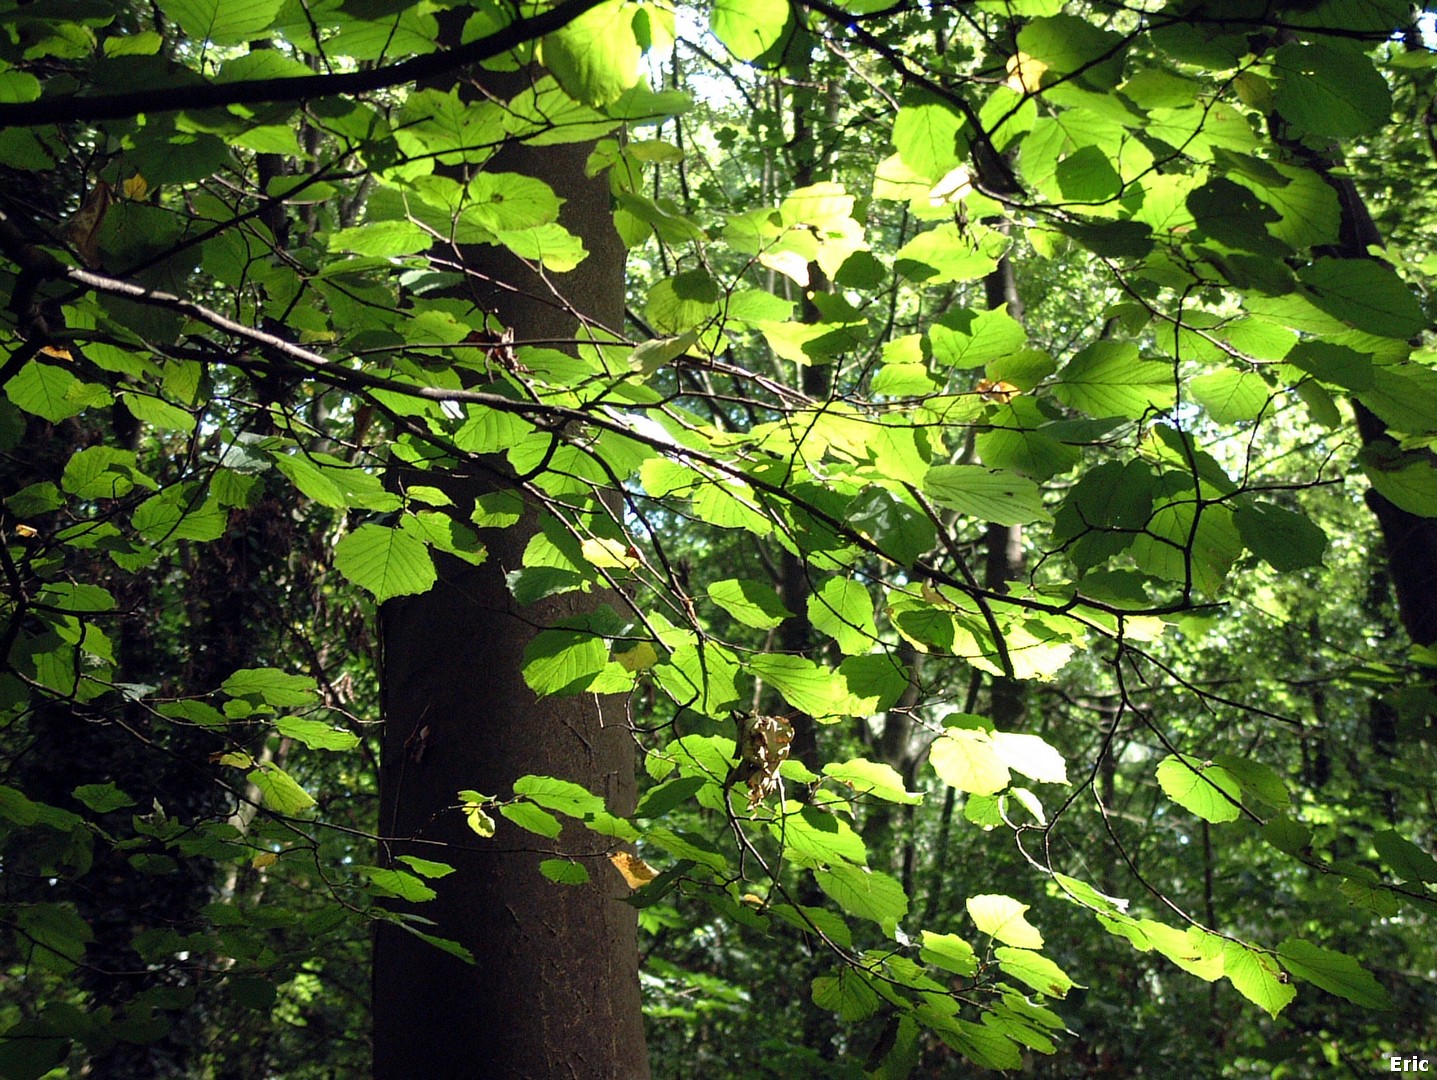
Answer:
(554, 990)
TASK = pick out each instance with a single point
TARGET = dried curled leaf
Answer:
(82, 230)
(633, 869)
(763, 743)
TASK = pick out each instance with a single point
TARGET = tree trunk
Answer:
(554, 987)
(1410, 540)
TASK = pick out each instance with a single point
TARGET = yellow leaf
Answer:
(1002, 917)
(640, 658)
(1025, 73)
(57, 351)
(136, 187)
(238, 758)
(633, 869)
(953, 188)
(610, 554)
(478, 820)
(263, 859)
(1000, 391)
(26, 532)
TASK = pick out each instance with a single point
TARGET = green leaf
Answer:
(476, 817)
(596, 56)
(969, 339)
(687, 846)
(1408, 481)
(983, 1046)
(550, 245)
(556, 661)
(1259, 783)
(659, 800)
(1404, 858)
(944, 254)
(872, 778)
(1288, 836)
(808, 687)
(31, 1049)
(810, 836)
(994, 495)
(928, 135)
(1404, 397)
(1334, 972)
(965, 758)
(181, 512)
(847, 994)
(1236, 217)
(382, 238)
(222, 22)
(564, 872)
(1195, 951)
(158, 413)
(1071, 45)
(281, 793)
(52, 936)
(1173, 549)
(400, 883)
(1031, 756)
(1003, 918)
(453, 948)
(750, 28)
(49, 392)
(1257, 977)
(386, 562)
(865, 893)
(1036, 970)
(1365, 294)
(1110, 378)
(1307, 204)
(533, 818)
(843, 609)
(103, 798)
(1284, 539)
(949, 952)
(752, 603)
(901, 530)
(1088, 176)
(1330, 92)
(1231, 396)
(1205, 789)
(316, 734)
(426, 867)
(565, 796)
(272, 687)
(76, 599)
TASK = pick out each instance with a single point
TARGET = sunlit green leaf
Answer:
(1207, 790)
(385, 561)
(1257, 977)
(281, 793)
(1334, 972)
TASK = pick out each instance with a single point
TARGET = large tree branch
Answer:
(75, 108)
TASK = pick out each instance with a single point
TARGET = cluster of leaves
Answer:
(269, 308)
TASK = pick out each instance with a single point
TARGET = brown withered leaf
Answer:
(633, 869)
(82, 230)
(763, 743)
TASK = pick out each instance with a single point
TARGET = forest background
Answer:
(615, 538)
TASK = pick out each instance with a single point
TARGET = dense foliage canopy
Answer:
(1004, 519)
